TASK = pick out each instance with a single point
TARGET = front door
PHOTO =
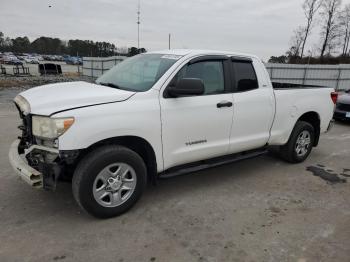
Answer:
(197, 127)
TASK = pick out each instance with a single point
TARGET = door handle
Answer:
(224, 104)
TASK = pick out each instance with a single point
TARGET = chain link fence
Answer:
(95, 66)
(336, 76)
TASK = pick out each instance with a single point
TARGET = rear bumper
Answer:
(341, 115)
(26, 172)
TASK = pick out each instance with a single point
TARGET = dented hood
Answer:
(52, 98)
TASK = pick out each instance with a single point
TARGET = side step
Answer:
(214, 162)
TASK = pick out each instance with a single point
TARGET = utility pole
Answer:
(169, 41)
(138, 27)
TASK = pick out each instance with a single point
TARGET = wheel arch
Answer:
(313, 118)
(135, 143)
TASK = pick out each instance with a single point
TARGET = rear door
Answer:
(253, 105)
(197, 127)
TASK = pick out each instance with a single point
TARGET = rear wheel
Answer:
(109, 181)
(300, 143)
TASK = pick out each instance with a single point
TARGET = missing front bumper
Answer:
(42, 166)
(30, 175)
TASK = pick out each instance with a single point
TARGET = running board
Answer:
(210, 163)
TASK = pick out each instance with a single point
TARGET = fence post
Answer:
(338, 79)
(304, 77)
(271, 72)
(102, 67)
(92, 68)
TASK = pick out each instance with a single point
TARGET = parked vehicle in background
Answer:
(53, 58)
(8, 53)
(60, 58)
(342, 110)
(31, 60)
(161, 114)
(74, 60)
(46, 57)
(11, 60)
(39, 57)
(21, 57)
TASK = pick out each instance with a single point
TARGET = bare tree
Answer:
(310, 8)
(345, 29)
(330, 28)
(296, 42)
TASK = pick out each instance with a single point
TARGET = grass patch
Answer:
(5, 83)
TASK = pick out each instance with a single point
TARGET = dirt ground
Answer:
(261, 209)
(10, 83)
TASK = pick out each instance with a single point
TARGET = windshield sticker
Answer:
(174, 57)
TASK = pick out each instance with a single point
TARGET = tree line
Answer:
(55, 46)
(333, 23)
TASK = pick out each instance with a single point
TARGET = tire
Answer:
(109, 171)
(290, 151)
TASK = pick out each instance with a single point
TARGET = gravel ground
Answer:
(25, 82)
(261, 209)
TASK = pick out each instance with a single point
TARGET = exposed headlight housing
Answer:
(22, 104)
(50, 128)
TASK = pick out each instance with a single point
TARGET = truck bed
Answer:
(292, 103)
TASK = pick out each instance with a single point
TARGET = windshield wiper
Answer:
(110, 85)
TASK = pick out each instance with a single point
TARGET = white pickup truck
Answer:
(161, 114)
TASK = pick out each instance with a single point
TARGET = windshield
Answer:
(138, 73)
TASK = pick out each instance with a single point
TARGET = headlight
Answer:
(50, 128)
(22, 104)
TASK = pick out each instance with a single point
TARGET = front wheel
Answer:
(109, 180)
(300, 143)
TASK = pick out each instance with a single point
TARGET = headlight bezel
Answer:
(49, 128)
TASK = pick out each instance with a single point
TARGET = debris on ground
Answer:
(345, 171)
(326, 174)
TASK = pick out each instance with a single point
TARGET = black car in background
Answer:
(342, 110)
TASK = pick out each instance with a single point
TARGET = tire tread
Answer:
(287, 151)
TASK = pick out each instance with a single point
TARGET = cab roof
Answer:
(193, 52)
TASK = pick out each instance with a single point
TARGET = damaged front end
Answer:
(38, 161)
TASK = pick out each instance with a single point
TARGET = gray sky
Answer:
(261, 27)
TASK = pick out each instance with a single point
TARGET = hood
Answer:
(344, 99)
(52, 98)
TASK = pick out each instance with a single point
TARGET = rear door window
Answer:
(245, 76)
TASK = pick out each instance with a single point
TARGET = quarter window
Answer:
(210, 72)
(245, 76)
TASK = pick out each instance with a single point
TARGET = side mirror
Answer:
(187, 87)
